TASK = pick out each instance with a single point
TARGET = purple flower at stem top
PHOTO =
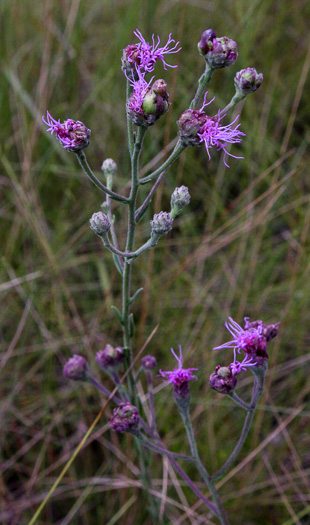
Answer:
(180, 377)
(144, 55)
(252, 339)
(213, 134)
(73, 135)
(195, 128)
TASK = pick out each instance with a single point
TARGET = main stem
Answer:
(129, 248)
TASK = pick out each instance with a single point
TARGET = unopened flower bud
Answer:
(125, 418)
(110, 357)
(100, 223)
(148, 362)
(223, 380)
(190, 123)
(206, 42)
(247, 80)
(109, 167)
(161, 223)
(76, 368)
(270, 331)
(218, 52)
(160, 87)
(179, 199)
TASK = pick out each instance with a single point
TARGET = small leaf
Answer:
(131, 325)
(117, 264)
(135, 295)
(118, 314)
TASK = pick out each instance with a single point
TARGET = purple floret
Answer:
(73, 135)
(180, 377)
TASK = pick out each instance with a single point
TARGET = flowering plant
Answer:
(148, 101)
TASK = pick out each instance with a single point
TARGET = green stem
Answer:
(256, 395)
(200, 467)
(129, 247)
(109, 177)
(129, 123)
(163, 451)
(179, 147)
(234, 101)
(239, 401)
(202, 84)
(87, 170)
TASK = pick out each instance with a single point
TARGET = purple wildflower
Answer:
(73, 135)
(195, 128)
(224, 378)
(213, 134)
(251, 340)
(147, 103)
(237, 367)
(180, 377)
(143, 56)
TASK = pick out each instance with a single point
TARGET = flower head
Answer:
(224, 379)
(251, 340)
(247, 80)
(180, 377)
(148, 362)
(144, 55)
(195, 128)
(125, 418)
(110, 357)
(218, 52)
(73, 135)
(99, 223)
(76, 368)
(147, 103)
(161, 223)
(179, 199)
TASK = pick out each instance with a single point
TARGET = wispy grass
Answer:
(241, 249)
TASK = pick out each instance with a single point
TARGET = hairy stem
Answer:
(239, 401)
(129, 123)
(162, 450)
(129, 247)
(179, 147)
(256, 394)
(202, 84)
(200, 467)
(234, 101)
(87, 170)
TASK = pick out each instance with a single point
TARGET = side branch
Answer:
(87, 170)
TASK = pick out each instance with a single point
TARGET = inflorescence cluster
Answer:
(148, 101)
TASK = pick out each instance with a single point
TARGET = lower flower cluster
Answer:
(252, 341)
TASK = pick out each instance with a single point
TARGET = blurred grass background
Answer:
(241, 249)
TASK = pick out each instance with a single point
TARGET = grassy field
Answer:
(241, 249)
